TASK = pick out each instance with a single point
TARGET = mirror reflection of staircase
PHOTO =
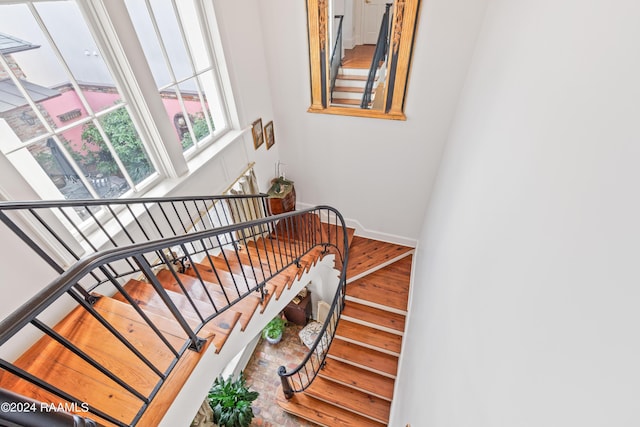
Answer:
(352, 77)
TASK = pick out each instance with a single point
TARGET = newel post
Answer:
(286, 387)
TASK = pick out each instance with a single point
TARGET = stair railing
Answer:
(336, 55)
(76, 228)
(379, 55)
(301, 377)
(202, 262)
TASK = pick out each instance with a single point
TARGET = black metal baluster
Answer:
(196, 342)
(89, 308)
(84, 356)
(20, 373)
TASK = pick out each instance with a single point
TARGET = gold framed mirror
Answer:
(360, 54)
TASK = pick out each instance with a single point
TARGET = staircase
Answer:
(349, 87)
(355, 387)
(120, 358)
(145, 313)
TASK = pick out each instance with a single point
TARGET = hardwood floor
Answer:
(358, 57)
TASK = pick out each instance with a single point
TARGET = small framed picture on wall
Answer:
(256, 130)
(268, 134)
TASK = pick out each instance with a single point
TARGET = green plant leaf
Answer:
(230, 401)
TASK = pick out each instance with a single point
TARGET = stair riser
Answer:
(366, 368)
(372, 325)
(374, 305)
(351, 83)
(355, 412)
(348, 95)
(354, 71)
(373, 393)
(370, 347)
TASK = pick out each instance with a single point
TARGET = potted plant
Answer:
(279, 185)
(231, 402)
(274, 329)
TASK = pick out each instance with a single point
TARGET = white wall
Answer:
(525, 306)
(379, 172)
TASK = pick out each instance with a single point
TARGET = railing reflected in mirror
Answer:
(359, 59)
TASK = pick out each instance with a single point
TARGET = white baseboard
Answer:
(362, 231)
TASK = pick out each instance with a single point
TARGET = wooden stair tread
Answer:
(352, 77)
(366, 254)
(196, 289)
(86, 333)
(77, 377)
(346, 101)
(115, 401)
(353, 89)
(278, 253)
(217, 329)
(322, 413)
(234, 284)
(350, 399)
(369, 337)
(360, 379)
(146, 296)
(276, 261)
(169, 328)
(232, 265)
(374, 316)
(364, 358)
(268, 262)
(388, 286)
(310, 224)
(292, 271)
(246, 306)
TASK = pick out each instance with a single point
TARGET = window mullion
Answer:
(47, 126)
(185, 40)
(110, 23)
(74, 165)
(207, 17)
(114, 154)
(61, 60)
(161, 43)
(172, 74)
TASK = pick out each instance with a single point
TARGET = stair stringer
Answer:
(211, 364)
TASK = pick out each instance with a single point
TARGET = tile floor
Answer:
(262, 375)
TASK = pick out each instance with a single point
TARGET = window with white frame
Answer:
(77, 116)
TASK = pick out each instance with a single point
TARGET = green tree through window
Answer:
(120, 130)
